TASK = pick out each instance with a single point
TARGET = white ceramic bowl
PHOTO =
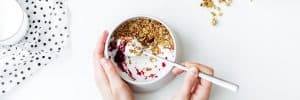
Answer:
(15, 22)
(145, 86)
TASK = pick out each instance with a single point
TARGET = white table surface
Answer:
(256, 45)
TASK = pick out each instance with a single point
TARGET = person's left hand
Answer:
(110, 84)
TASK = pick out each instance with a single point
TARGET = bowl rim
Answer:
(153, 18)
(20, 32)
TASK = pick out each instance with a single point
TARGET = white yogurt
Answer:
(142, 68)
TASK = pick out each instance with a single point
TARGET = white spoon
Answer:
(218, 81)
(215, 80)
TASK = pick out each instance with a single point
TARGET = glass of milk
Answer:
(13, 22)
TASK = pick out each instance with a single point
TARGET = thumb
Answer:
(190, 79)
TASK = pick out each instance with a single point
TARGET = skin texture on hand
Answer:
(110, 84)
(112, 87)
(194, 88)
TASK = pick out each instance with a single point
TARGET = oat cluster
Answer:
(215, 8)
(150, 33)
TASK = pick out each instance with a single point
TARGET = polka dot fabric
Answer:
(47, 34)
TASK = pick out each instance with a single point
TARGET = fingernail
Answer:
(193, 71)
(103, 62)
(105, 31)
(184, 63)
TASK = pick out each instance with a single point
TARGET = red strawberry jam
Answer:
(139, 72)
(112, 46)
(120, 59)
(163, 64)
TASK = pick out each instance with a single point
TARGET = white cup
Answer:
(13, 22)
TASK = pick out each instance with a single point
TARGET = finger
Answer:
(101, 44)
(206, 70)
(113, 76)
(99, 72)
(201, 93)
(177, 71)
(196, 83)
(205, 83)
(101, 79)
(124, 93)
(189, 81)
(203, 69)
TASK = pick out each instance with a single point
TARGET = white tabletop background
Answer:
(256, 45)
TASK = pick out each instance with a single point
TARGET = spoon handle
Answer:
(218, 81)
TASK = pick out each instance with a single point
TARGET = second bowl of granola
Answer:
(151, 35)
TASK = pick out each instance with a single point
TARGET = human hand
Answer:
(110, 84)
(194, 88)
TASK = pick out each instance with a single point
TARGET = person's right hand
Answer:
(194, 88)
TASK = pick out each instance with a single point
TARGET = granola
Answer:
(132, 37)
(215, 8)
(150, 33)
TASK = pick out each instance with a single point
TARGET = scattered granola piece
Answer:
(220, 14)
(153, 59)
(213, 14)
(148, 68)
(214, 22)
(129, 61)
(215, 8)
